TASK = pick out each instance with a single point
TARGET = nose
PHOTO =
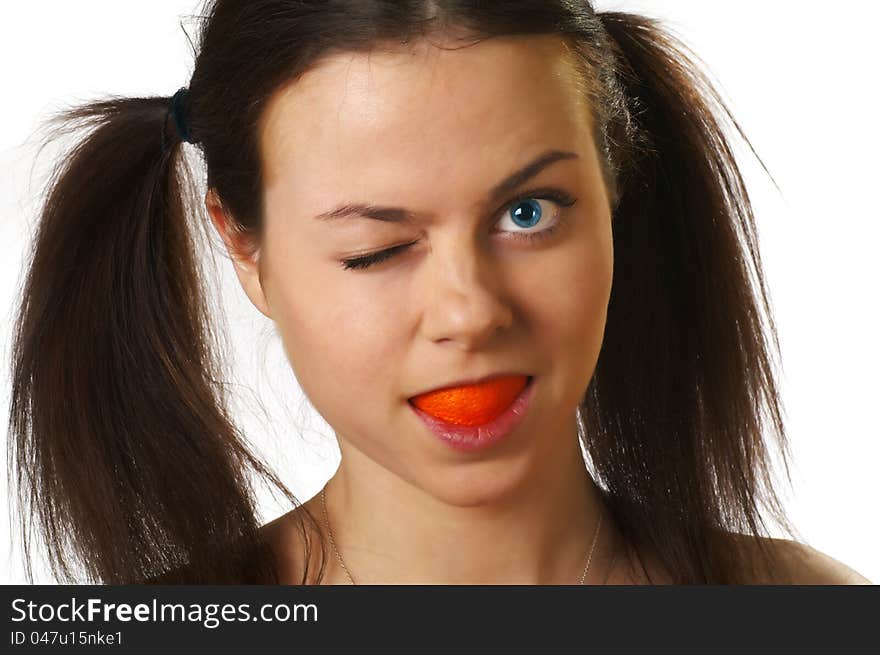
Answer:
(463, 296)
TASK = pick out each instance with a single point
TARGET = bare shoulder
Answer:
(800, 564)
(287, 537)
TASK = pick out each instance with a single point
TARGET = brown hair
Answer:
(123, 449)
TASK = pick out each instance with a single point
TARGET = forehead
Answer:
(367, 121)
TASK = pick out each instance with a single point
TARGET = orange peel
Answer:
(473, 404)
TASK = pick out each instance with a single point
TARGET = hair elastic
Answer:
(178, 112)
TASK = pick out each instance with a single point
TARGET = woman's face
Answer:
(435, 133)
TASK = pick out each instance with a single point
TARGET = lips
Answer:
(483, 437)
(472, 404)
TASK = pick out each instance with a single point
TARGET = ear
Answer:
(244, 257)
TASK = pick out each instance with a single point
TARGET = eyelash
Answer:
(559, 197)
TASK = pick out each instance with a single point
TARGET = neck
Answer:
(481, 523)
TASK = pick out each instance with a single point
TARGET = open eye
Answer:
(525, 211)
(528, 211)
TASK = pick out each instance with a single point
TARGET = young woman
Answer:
(489, 235)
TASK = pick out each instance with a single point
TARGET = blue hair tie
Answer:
(178, 112)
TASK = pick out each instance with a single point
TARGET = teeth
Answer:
(472, 405)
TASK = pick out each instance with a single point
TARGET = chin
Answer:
(477, 484)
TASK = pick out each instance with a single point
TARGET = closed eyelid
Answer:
(562, 199)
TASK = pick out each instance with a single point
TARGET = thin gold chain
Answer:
(351, 579)
(332, 542)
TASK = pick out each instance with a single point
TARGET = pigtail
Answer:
(120, 443)
(675, 413)
(119, 438)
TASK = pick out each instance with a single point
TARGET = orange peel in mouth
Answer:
(473, 404)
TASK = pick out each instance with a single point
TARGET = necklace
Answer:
(350, 579)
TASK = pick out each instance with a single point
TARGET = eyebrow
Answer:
(401, 214)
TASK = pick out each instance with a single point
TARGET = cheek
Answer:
(572, 305)
(591, 289)
(369, 343)
(339, 343)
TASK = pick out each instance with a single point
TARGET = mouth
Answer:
(473, 382)
(473, 403)
(477, 432)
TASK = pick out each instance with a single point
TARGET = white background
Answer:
(799, 77)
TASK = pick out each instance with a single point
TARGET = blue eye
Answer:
(525, 212)
(529, 212)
